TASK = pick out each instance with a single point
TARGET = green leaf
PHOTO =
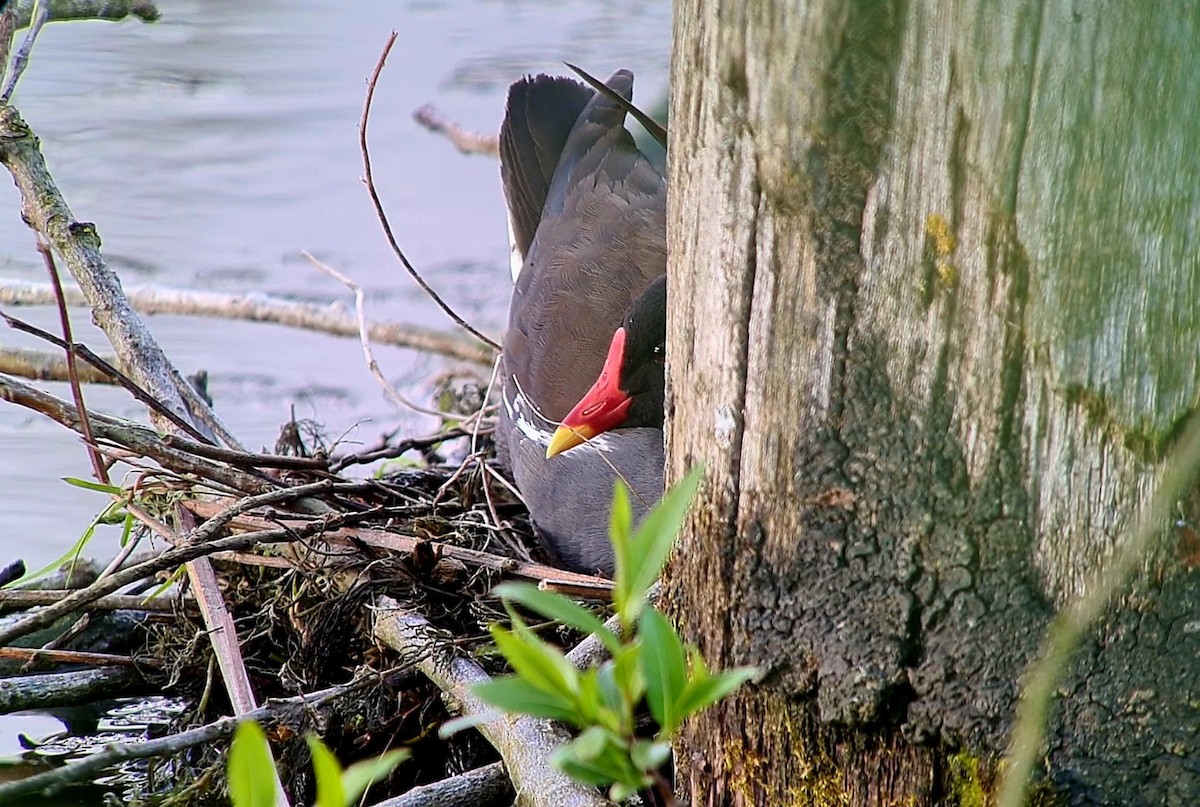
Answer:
(249, 761)
(590, 773)
(70, 556)
(620, 520)
(328, 773)
(650, 756)
(592, 704)
(559, 608)
(452, 727)
(627, 672)
(589, 745)
(618, 706)
(514, 694)
(665, 667)
(543, 666)
(87, 484)
(126, 529)
(650, 546)
(700, 693)
(611, 764)
(361, 775)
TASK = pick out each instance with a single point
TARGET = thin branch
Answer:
(133, 436)
(101, 365)
(328, 318)
(481, 787)
(34, 655)
(244, 459)
(43, 365)
(170, 559)
(64, 318)
(112, 602)
(525, 743)
(387, 452)
(599, 588)
(20, 59)
(280, 711)
(364, 338)
(464, 141)
(383, 219)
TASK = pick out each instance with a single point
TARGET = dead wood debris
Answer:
(302, 583)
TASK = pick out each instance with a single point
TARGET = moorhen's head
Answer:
(630, 390)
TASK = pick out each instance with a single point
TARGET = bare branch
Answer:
(524, 743)
(464, 141)
(331, 318)
(38, 365)
(383, 219)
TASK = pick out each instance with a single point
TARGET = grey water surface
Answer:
(211, 147)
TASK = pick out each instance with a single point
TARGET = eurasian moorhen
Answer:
(587, 212)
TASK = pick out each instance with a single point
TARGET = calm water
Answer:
(213, 146)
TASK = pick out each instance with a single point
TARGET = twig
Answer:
(383, 219)
(64, 318)
(393, 451)
(407, 544)
(364, 337)
(170, 559)
(244, 459)
(525, 743)
(113, 602)
(41, 14)
(464, 141)
(34, 655)
(133, 436)
(8, 26)
(1071, 623)
(488, 786)
(281, 711)
(41, 365)
(47, 690)
(328, 318)
(73, 349)
(78, 245)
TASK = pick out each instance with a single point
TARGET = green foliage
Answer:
(114, 513)
(250, 756)
(649, 662)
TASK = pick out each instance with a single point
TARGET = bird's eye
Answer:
(660, 353)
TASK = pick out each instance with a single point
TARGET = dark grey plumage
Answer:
(598, 241)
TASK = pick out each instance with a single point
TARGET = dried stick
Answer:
(169, 559)
(101, 365)
(329, 318)
(287, 711)
(64, 318)
(113, 602)
(65, 689)
(383, 219)
(483, 787)
(596, 587)
(364, 337)
(39, 365)
(525, 743)
(133, 436)
(464, 141)
(34, 655)
(40, 16)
